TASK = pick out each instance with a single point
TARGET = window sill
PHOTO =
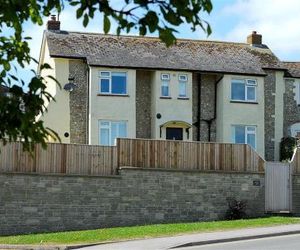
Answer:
(113, 95)
(245, 102)
(183, 98)
(165, 97)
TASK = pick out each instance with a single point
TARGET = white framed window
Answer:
(110, 130)
(113, 83)
(244, 134)
(183, 79)
(165, 85)
(243, 90)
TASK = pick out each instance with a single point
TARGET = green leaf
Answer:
(85, 20)
(106, 24)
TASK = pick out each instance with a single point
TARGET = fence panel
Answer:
(188, 155)
(59, 158)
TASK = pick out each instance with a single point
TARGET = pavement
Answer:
(192, 240)
(187, 241)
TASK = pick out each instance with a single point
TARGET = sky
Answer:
(231, 20)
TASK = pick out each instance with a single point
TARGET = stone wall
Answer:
(207, 106)
(270, 90)
(79, 103)
(296, 195)
(41, 203)
(143, 104)
(291, 112)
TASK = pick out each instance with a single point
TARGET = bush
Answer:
(236, 210)
(287, 146)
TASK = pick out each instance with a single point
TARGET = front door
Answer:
(174, 133)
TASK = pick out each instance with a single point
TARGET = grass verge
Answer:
(139, 232)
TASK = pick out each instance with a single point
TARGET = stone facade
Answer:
(291, 112)
(207, 106)
(32, 203)
(270, 90)
(143, 104)
(79, 103)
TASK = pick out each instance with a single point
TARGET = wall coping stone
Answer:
(187, 170)
(62, 175)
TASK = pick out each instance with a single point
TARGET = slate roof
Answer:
(293, 69)
(150, 53)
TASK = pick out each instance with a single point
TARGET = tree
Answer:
(18, 109)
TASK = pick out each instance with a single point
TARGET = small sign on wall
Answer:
(256, 183)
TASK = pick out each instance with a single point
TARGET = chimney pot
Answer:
(254, 38)
(53, 23)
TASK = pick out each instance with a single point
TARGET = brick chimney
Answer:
(53, 24)
(254, 38)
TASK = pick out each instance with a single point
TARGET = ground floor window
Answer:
(244, 134)
(110, 130)
(174, 133)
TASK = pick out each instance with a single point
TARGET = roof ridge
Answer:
(150, 37)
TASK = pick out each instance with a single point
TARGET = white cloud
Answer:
(278, 21)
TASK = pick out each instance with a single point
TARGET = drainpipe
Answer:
(199, 106)
(87, 105)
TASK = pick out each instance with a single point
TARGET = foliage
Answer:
(236, 210)
(287, 147)
(139, 232)
(18, 110)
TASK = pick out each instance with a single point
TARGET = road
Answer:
(288, 242)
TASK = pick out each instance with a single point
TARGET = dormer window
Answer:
(243, 90)
(114, 83)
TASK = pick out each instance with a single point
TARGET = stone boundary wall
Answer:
(31, 203)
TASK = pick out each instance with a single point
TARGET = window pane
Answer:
(122, 129)
(251, 93)
(165, 88)
(114, 133)
(182, 89)
(104, 124)
(104, 136)
(251, 140)
(105, 74)
(239, 134)
(237, 90)
(250, 129)
(104, 88)
(118, 85)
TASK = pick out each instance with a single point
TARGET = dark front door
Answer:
(174, 133)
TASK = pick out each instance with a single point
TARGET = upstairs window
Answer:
(110, 130)
(244, 134)
(165, 85)
(113, 83)
(183, 79)
(243, 90)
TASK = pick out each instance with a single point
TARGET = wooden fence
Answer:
(188, 155)
(59, 158)
(295, 161)
(104, 160)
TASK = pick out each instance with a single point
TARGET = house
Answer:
(130, 86)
